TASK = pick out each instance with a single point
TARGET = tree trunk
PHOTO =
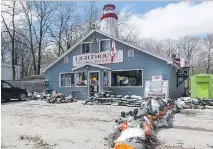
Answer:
(13, 61)
(13, 43)
(22, 65)
(32, 48)
(39, 49)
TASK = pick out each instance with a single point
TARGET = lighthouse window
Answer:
(85, 47)
(104, 45)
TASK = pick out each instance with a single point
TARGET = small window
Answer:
(65, 59)
(104, 45)
(127, 78)
(131, 53)
(81, 78)
(85, 48)
(67, 80)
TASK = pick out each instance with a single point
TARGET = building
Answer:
(7, 72)
(90, 66)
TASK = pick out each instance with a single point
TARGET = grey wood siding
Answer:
(149, 64)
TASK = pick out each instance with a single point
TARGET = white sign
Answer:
(157, 78)
(147, 88)
(165, 88)
(97, 58)
(151, 89)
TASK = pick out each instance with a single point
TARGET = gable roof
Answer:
(116, 39)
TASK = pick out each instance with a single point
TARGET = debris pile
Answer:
(60, 98)
(135, 129)
(51, 98)
(188, 103)
(110, 99)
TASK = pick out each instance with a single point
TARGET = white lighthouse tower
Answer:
(109, 19)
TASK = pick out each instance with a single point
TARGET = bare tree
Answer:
(11, 31)
(29, 38)
(44, 11)
(208, 60)
(91, 16)
(64, 22)
(190, 45)
(5, 46)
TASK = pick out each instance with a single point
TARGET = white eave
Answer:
(93, 65)
(118, 40)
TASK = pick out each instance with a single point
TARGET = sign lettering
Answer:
(97, 58)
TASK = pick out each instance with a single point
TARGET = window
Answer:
(85, 48)
(6, 85)
(131, 53)
(65, 59)
(81, 78)
(127, 78)
(104, 45)
(67, 79)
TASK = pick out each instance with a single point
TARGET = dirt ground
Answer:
(64, 126)
(37, 124)
(192, 128)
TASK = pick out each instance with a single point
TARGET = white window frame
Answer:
(72, 85)
(109, 78)
(100, 44)
(89, 47)
(86, 77)
(125, 86)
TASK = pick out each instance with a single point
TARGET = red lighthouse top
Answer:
(109, 5)
(109, 11)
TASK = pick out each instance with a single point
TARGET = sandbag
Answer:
(155, 105)
(158, 124)
(113, 136)
(147, 131)
(164, 122)
(150, 118)
(148, 125)
(129, 133)
(155, 118)
(123, 146)
(124, 126)
(180, 104)
(136, 142)
(135, 124)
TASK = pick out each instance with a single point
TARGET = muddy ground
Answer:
(37, 124)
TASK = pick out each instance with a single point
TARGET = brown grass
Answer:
(38, 140)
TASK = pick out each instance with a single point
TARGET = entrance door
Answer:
(94, 82)
(203, 90)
